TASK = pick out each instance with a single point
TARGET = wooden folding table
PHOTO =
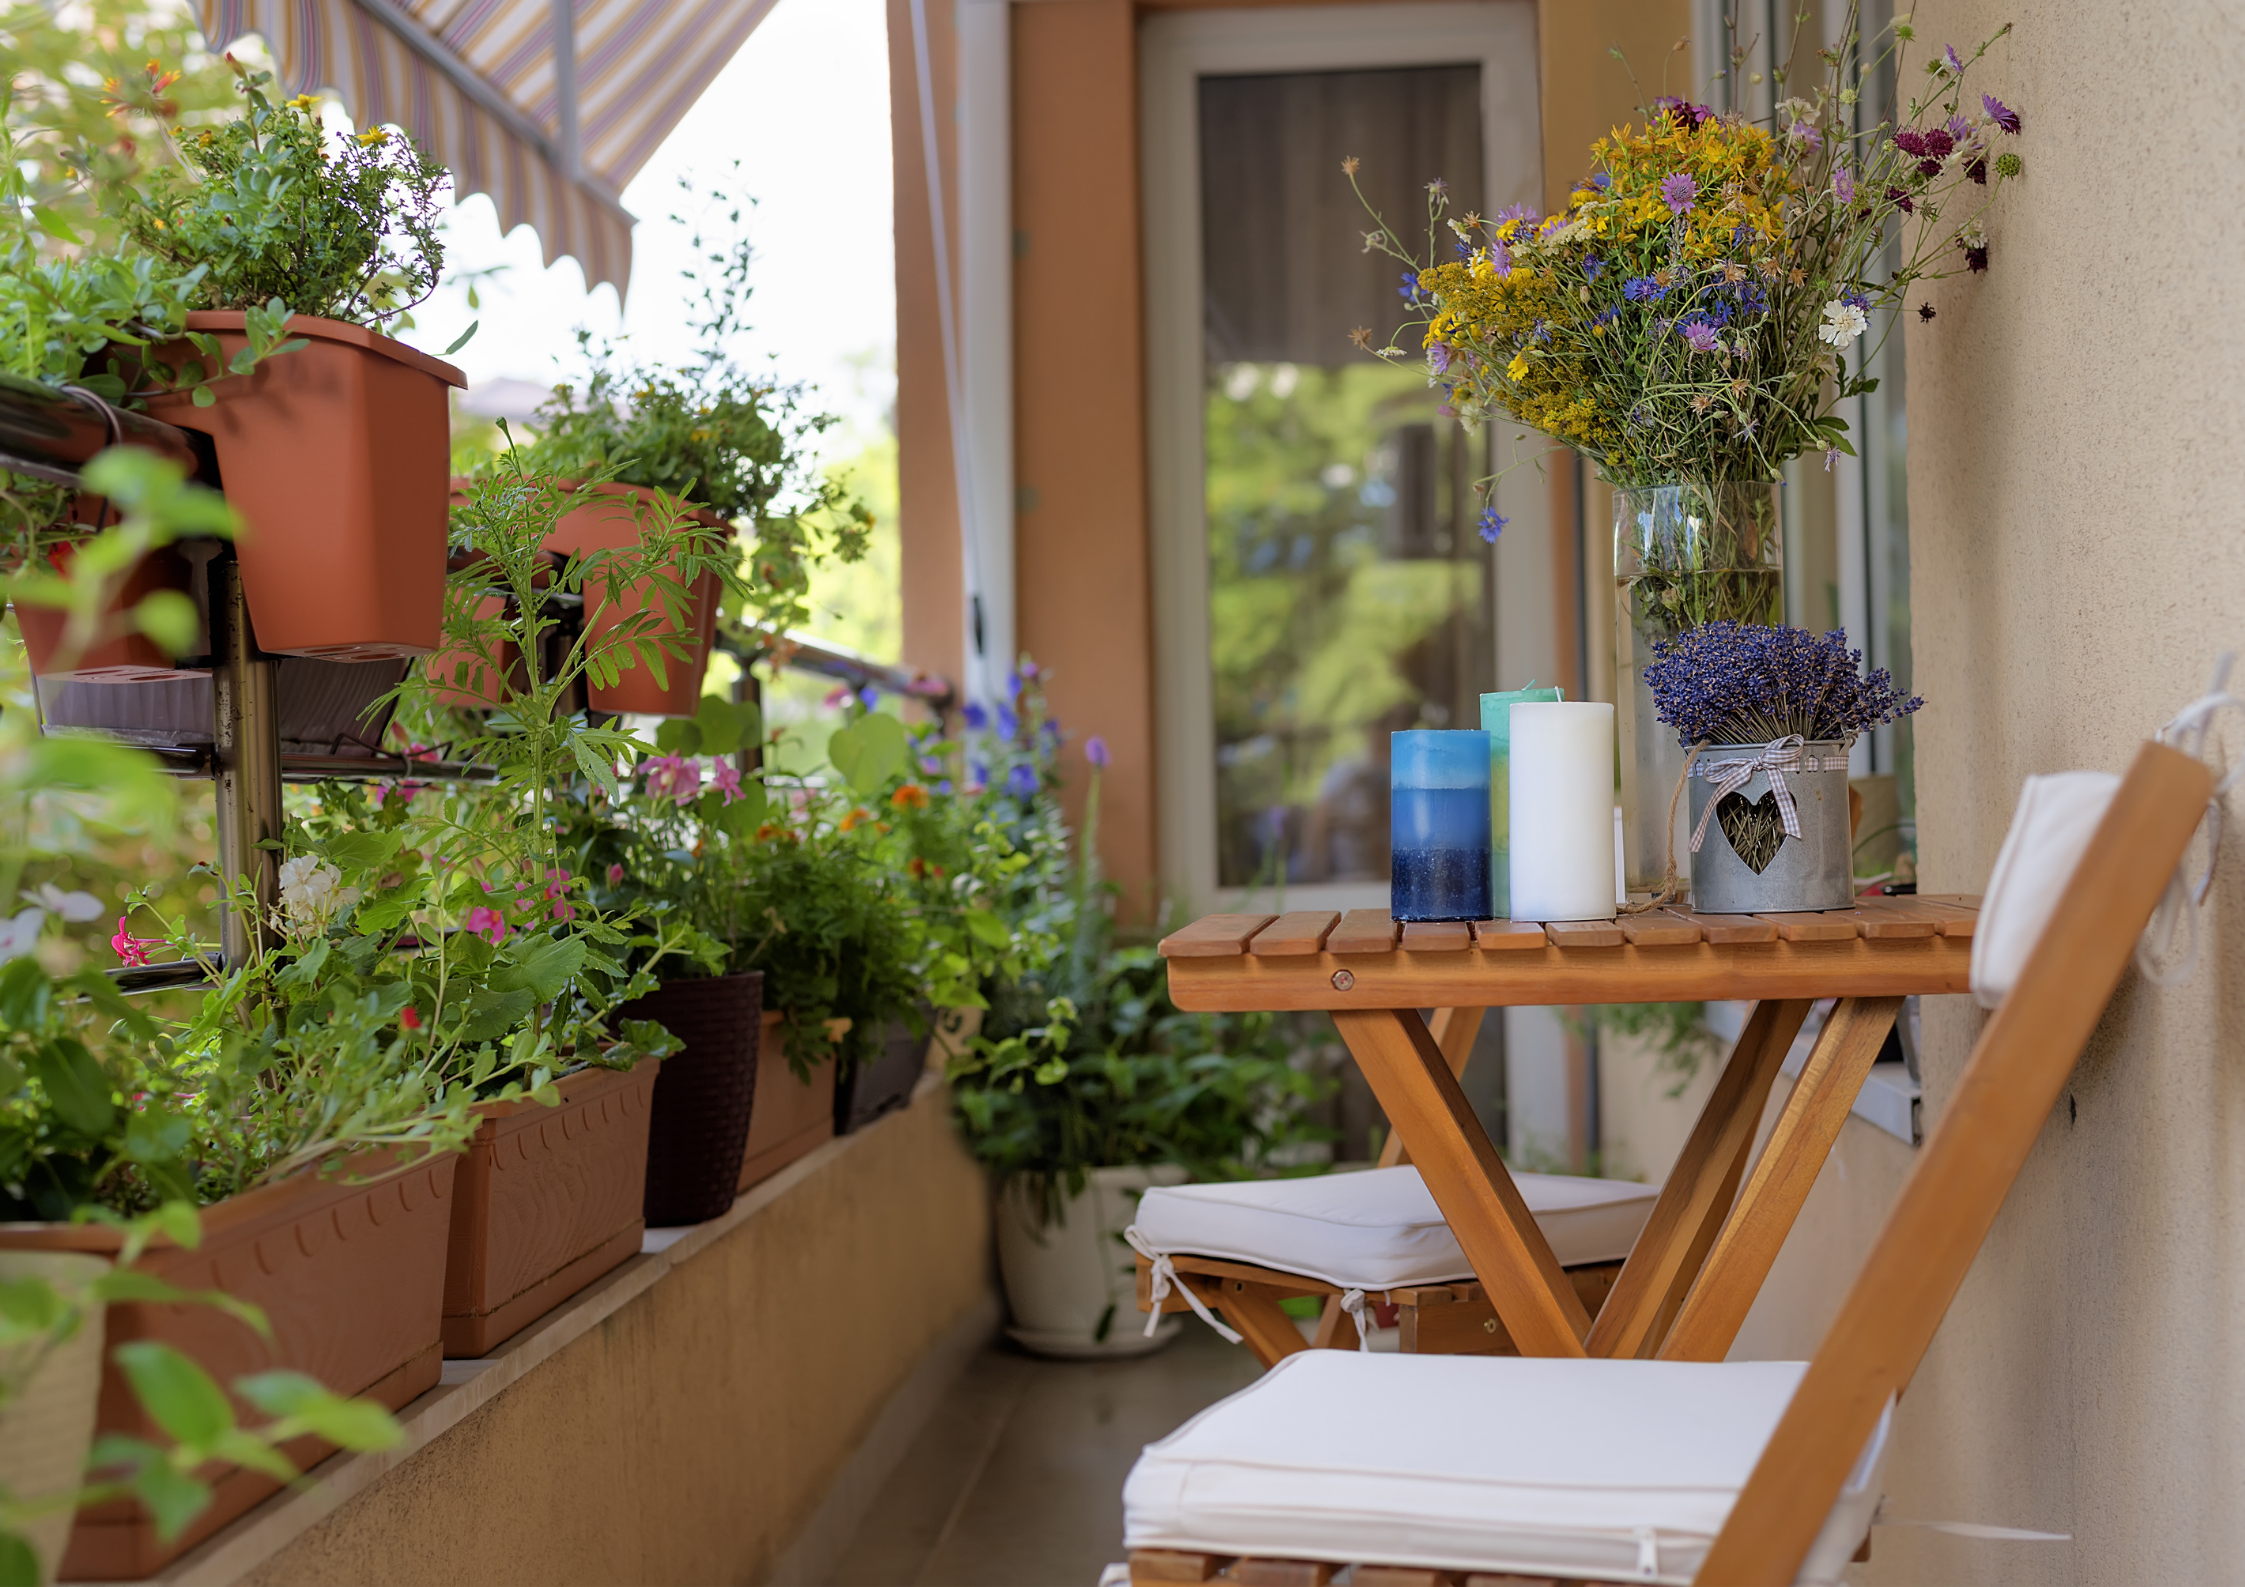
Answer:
(1714, 1231)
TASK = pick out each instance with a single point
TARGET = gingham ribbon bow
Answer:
(1729, 776)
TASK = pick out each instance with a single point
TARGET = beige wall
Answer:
(691, 1435)
(2076, 562)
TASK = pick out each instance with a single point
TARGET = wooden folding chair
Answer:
(1434, 1318)
(1779, 1462)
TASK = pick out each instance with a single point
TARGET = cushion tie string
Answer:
(1648, 1552)
(1352, 1302)
(1165, 1279)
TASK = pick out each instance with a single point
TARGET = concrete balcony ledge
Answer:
(720, 1408)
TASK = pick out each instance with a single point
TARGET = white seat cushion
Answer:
(1378, 1229)
(1620, 1470)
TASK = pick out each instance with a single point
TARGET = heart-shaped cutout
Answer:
(1754, 829)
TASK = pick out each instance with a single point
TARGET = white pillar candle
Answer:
(1562, 811)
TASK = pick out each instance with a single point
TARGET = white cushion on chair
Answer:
(1380, 1228)
(1482, 1463)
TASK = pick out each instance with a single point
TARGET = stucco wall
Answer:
(690, 1436)
(2076, 562)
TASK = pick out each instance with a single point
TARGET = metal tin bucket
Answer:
(1810, 872)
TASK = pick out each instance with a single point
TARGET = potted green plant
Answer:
(729, 440)
(337, 456)
(1086, 1085)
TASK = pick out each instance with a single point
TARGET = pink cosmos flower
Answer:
(132, 951)
(675, 778)
(488, 924)
(615, 874)
(727, 780)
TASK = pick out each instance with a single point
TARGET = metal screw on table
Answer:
(1488, 1325)
(1343, 980)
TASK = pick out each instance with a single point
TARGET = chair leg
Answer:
(1336, 1329)
(1255, 1312)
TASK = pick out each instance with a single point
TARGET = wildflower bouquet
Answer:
(1690, 317)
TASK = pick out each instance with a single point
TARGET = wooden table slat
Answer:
(1214, 937)
(1297, 932)
(1583, 933)
(1437, 936)
(1886, 918)
(1727, 930)
(1363, 931)
(1502, 934)
(1952, 919)
(1831, 925)
(1959, 900)
(1657, 928)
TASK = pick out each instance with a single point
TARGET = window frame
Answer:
(1175, 50)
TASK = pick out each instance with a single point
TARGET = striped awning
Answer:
(549, 106)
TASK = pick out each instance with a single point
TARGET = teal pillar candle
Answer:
(1496, 721)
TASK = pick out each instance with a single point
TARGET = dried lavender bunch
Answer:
(1744, 683)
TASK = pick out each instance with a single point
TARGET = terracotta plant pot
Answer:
(704, 1096)
(549, 1200)
(791, 1118)
(129, 658)
(336, 456)
(351, 1277)
(882, 1083)
(611, 523)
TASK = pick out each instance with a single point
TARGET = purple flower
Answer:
(1975, 258)
(1700, 332)
(1978, 171)
(978, 775)
(944, 786)
(869, 696)
(1679, 192)
(1959, 128)
(1438, 357)
(1013, 685)
(1008, 723)
(1682, 111)
(1500, 258)
(1593, 267)
(1643, 289)
(1843, 185)
(1910, 142)
(1857, 300)
(931, 764)
(1513, 212)
(1901, 200)
(1602, 181)
(1492, 523)
(2000, 113)
(1802, 132)
(1742, 683)
(1021, 782)
(977, 717)
(1950, 60)
(1095, 751)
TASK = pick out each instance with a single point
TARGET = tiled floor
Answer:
(1017, 1479)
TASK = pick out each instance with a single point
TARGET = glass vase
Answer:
(1684, 555)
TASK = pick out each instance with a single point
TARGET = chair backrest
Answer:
(1963, 1172)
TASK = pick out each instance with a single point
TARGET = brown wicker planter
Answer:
(337, 456)
(548, 1201)
(704, 1096)
(791, 1118)
(351, 1277)
(882, 1083)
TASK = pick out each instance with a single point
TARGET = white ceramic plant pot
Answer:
(1072, 1284)
(47, 1426)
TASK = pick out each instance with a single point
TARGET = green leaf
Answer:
(178, 1394)
(599, 768)
(679, 735)
(254, 1452)
(349, 1424)
(356, 852)
(77, 1089)
(725, 724)
(540, 964)
(19, 1563)
(25, 995)
(204, 398)
(987, 928)
(493, 1014)
(869, 751)
(465, 336)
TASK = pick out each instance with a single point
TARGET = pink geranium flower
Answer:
(675, 778)
(132, 951)
(488, 924)
(727, 780)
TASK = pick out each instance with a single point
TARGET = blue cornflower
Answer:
(1492, 523)
(1605, 316)
(1593, 267)
(1021, 782)
(1751, 298)
(1856, 300)
(1601, 181)
(1643, 289)
(977, 717)
(1542, 332)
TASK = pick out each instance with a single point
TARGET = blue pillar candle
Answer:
(1496, 721)
(1438, 826)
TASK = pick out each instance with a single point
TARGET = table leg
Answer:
(1453, 1030)
(1747, 1247)
(1700, 1187)
(1469, 1181)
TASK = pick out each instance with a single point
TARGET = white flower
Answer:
(1843, 323)
(20, 935)
(77, 907)
(311, 894)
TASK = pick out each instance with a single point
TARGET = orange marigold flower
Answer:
(910, 797)
(856, 818)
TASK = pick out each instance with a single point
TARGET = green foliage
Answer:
(1676, 1032)
(270, 208)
